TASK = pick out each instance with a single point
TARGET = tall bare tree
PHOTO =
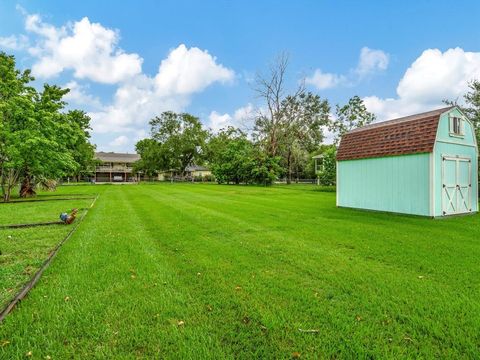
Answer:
(270, 88)
(292, 123)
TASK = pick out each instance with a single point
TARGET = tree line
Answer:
(287, 131)
(39, 140)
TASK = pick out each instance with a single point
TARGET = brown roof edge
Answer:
(412, 134)
(404, 119)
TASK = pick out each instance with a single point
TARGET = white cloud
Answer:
(370, 62)
(323, 80)
(89, 49)
(14, 42)
(242, 118)
(436, 75)
(183, 73)
(219, 121)
(78, 96)
(433, 77)
(119, 141)
(186, 71)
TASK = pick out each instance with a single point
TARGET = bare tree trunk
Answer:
(27, 188)
(11, 181)
(270, 88)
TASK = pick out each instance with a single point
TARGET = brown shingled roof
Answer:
(408, 135)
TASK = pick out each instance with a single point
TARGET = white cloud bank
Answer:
(183, 73)
(92, 53)
(78, 95)
(186, 71)
(433, 77)
(87, 48)
(370, 62)
(242, 118)
(119, 141)
(14, 42)
(323, 80)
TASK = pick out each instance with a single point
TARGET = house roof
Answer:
(407, 135)
(116, 157)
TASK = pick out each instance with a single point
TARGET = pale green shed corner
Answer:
(425, 164)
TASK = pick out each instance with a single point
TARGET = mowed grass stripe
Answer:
(387, 238)
(351, 275)
(109, 304)
(223, 303)
(189, 211)
(225, 277)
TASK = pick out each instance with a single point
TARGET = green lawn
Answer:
(209, 271)
(23, 250)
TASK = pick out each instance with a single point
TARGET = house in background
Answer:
(424, 164)
(191, 172)
(115, 167)
(197, 171)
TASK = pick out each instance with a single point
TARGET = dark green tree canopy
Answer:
(151, 160)
(180, 141)
(38, 140)
(234, 158)
(350, 116)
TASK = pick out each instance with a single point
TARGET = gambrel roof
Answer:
(408, 135)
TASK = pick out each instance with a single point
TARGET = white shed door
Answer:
(457, 185)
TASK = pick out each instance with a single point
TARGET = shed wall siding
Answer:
(395, 184)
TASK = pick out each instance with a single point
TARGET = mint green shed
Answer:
(424, 164)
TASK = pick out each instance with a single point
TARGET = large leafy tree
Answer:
(230, 156)
(234, 158)
(302, 119)
(38, 141)
(48, 149)
(82, 150)
(151, 159)
(181, 139)
(352, 115)
(17, 117)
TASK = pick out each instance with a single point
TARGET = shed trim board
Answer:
(432, 182)
(454, 143)
(397, 182)
(337, 183)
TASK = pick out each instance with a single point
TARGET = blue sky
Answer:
(128, 61)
